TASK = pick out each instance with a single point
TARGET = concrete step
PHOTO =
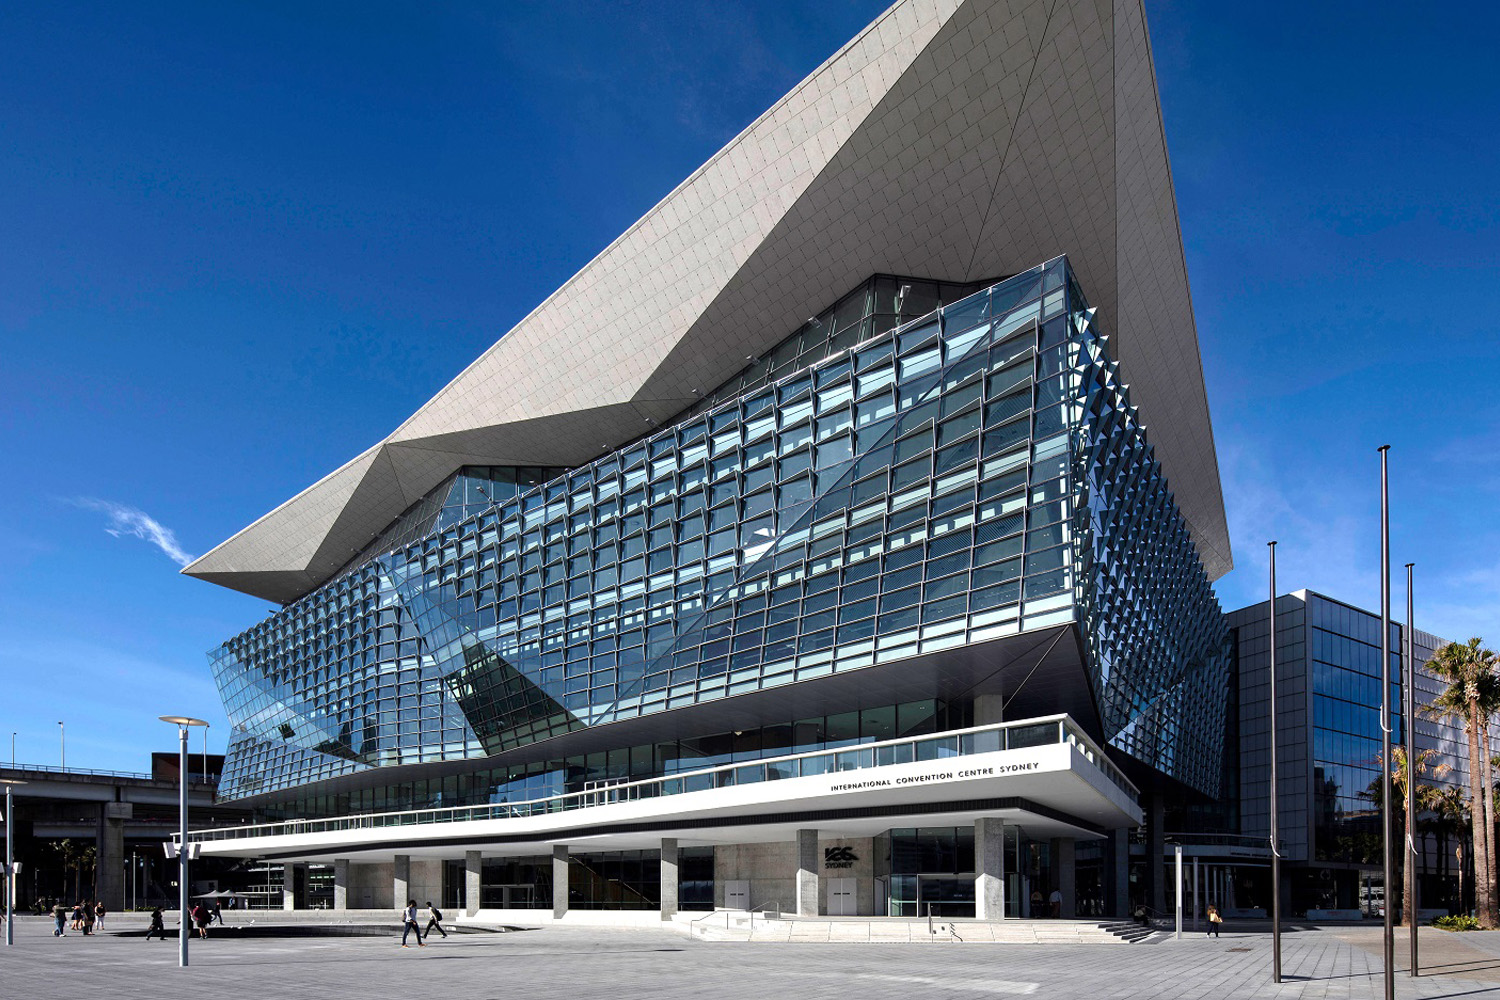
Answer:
(904, 931)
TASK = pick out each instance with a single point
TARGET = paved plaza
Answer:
(576, 962)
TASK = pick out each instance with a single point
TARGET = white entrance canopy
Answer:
(1043, 774)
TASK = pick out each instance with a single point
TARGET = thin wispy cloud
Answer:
(125, 520)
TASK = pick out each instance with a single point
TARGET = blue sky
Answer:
(241, 243)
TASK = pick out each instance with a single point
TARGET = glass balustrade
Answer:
(1048, 731)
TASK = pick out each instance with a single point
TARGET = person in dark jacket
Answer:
(158, 926)
(434, 920)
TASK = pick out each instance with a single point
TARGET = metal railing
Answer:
(764, 909)
(1050, 730)
(194, 777)
(932, 930)
(1218, 840)
(53, 769)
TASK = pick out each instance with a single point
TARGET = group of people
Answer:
(410, 922)
(84, 916)
(200, 915)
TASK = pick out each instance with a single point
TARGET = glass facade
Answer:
(971, 474)
(1328, 675)
(1344, 658)
(582, 772)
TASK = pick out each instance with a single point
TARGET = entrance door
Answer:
(737, 894)
(841, 898)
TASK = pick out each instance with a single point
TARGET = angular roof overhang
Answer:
(951, 139)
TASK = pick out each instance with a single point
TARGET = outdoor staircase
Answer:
(738, 926)
(1129, 931)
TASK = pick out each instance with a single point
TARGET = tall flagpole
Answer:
(1275, 829)
(1412, 857)
(1387, 856)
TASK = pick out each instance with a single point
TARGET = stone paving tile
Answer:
(586, 963)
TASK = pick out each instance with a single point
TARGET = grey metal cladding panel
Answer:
(928, 160)
(949, 140)
(1158, 338)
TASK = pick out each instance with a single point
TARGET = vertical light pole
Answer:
(62, 743)
(1178, 851)
(1388, 859)
(182, 722)
(1409, 662)
(10, 860)
(1275, 828)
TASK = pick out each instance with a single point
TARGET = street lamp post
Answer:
(10, 860)
(1275, 787)
(182, 722)
(1388, 861)
(62, 743)
(1413, 858)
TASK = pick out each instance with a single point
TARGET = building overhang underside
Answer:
(952, 139)
(1051, 791)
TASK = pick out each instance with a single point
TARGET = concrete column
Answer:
(401, 880)
(989, 710)
(559, 881)
(1117, 875)
(807, 873)
(289, 886)
(668, 877)
(473, 873)
(109, 872)
(341, 883)
(989, 863)
(1156, 849)
(1064, 871)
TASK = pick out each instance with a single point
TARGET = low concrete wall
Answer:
(371, 886)
(771, 870)
(579, 918)
(426, 882)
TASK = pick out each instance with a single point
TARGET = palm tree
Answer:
(1453, 815)
(74, 857)
(1429, 765)
(1473, 696)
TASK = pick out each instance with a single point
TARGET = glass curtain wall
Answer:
(965, 476)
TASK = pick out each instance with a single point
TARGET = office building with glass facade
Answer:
(807, 548)
(1328, 712)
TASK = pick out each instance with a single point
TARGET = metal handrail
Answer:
(729, 912)
(950, 743)
(952, 931)
(693, 924)
(754, 909)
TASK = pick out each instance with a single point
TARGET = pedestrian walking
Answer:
(60, 918)
(434, 920)
(200, 920)
(158, 926)
(88, 918)
(1214, 920)
(99, 912)
(409, 924)
(77, 924)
